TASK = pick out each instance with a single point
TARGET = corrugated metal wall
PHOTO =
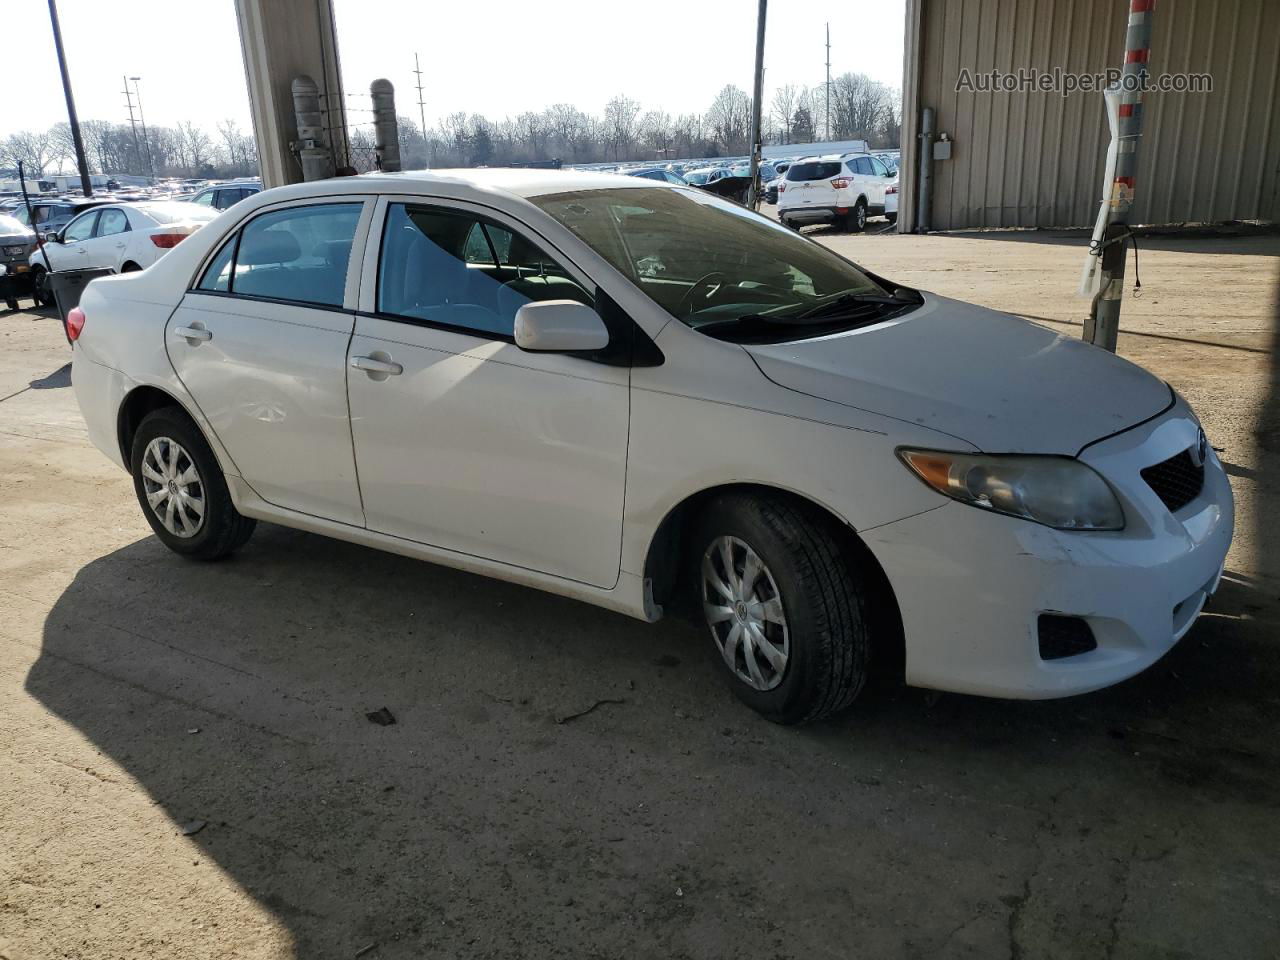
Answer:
(1036, 159)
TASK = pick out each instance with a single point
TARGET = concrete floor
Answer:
(139, 693)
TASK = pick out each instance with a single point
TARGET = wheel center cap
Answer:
(173, 487)
(740, 611)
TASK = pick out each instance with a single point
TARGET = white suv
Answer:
(843, 189)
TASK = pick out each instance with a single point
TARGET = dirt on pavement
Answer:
(187, 769)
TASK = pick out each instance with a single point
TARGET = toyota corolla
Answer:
(649, 398)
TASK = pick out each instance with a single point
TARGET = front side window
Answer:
(81, 228)
(204, 199)
(299, 255)
(715, 265)
(878, 165)
(111, 222)
(861, 166)
(458, 270)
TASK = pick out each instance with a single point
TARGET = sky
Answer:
(498, 58)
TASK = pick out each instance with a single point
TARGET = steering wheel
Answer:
(704, 280)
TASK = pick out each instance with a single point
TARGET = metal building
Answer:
(1035, 159)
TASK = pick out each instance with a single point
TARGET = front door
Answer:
(463, 440)
(261, 345)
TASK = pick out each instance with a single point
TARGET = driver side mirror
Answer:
(559, 326)
(53, 236)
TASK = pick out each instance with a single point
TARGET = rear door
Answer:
(463, 440)
(106, 246)
(260, 342)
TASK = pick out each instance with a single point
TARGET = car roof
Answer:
(515, 181)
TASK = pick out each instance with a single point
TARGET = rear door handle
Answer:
(192, 334)
(374, 365)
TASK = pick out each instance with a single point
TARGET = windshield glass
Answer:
(713, 264)
(698, 176)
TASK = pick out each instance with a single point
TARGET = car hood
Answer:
(1001, 383)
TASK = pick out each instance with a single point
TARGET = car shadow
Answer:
(563, 781)
(59, 378)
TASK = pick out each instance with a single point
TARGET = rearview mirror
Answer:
(559, 326)
(54, 236)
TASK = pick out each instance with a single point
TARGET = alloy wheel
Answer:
(743, 607)
(173, 487)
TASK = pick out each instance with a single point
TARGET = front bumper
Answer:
(971, 585)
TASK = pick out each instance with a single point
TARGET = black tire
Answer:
(130, 267)
(222, 530)
(855, 220)
(892, 218)
(11, 304)
(823, 601)
(40, 291)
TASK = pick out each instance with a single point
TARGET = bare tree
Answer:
(620, 115)
(859, 106)
(532, 131)
(35, 150)
(785, 100)
(730, 119)
(656, 129)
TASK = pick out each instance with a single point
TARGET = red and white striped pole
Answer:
(1103, 326)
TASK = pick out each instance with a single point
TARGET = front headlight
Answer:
(1057, 491)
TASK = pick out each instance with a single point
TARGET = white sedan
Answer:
(121, 237)
(482, 368)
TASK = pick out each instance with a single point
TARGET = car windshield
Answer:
(721, 269)
(698, 177)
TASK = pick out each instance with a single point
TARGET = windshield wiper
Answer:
(845, 301)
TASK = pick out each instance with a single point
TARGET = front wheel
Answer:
(783, 606)
(41, 291)
(181, 488)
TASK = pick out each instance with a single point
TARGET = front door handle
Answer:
(192, 334)
(372, 365)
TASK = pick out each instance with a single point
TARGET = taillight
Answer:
(891, 190)
(782, 188)
(167, 240)
(840, 182)
(75, 323)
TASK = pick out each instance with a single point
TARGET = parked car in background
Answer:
(641, 395)
(118, 237)
(843, 190)
(891, 202)
(17, 240)
(660, 174)
(700, 178)
(779, 174)
(50, 216)
(224, 195)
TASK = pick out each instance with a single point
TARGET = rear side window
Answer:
(815, 170)
(299, 255)
(861, 165)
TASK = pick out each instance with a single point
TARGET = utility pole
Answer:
(422, 111)
(137, 95)
(827, 111)
(85, 183)
(753, 192)
(1102, 328)
(128, 99)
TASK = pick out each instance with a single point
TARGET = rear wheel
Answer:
(892, 218)
(130, 267)
(11, 303)
(181, 489)
(783, 606)
(856, 219)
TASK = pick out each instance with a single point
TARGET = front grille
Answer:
(1176, 481)
(16, 251)
(1064, 636)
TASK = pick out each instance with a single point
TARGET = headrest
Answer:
(267, 246)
